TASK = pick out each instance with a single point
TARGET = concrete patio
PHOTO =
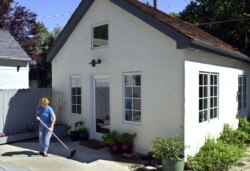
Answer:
(24, 156)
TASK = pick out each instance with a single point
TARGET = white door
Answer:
(101, 105)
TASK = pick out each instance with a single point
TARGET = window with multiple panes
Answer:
(100, 36)
(132, 97)
(242, 92)
(208, 96)
(76, 94)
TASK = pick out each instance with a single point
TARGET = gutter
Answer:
(15, 58)
(208, 48)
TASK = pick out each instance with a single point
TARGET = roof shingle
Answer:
(9, 47)
(185, 34)
(187, 29)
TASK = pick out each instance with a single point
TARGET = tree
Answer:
(4, 8)
(33, 37)
(228, 20)
(46, 40)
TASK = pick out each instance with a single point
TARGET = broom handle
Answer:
(52, 133)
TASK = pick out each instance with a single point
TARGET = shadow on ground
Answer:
(83, 154)
(14, 153)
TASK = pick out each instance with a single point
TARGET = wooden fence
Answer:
(18, 108)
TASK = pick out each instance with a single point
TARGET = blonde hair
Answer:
(44, 100)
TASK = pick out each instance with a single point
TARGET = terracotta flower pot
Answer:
(127, 147)
(115, 149)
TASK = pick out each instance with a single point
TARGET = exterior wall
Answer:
(18, 109)
(133, 46)
(228, 70)
(11, 79)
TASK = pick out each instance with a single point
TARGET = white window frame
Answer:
(133, 98)
(242, 92)
(92, 35)
(208, 97)
(76, 81)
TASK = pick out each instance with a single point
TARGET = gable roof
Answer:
(185, 34)
(10, 49)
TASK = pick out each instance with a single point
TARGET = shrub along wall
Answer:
(220, 154)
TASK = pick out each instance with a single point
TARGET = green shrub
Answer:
(110, 138)
(244, 124)
(234, 137)
(126, 137)
(168, 147)
(215, 156)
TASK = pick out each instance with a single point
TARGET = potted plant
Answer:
(170, 151)
(110, 139)
(126, 140)
(83, 133)
(75, 134)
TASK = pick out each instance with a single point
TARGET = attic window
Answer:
(100, 36)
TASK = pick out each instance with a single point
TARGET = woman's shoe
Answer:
(45, 155)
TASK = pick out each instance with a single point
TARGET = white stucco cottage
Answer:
(114, 54)
(14, 63)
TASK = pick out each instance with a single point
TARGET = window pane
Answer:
(215, 102)
(244, 80)
(201, 104)
(73, 99)
(73, 91)
(205, 80)
(200, 92)
(137, 80)
(137, 92)
(215, 79)
(215, 113)
(128, 103)
(239, 80)
(211, 91)
(79, 100)
(128, 91)
(211, 80)
(128, 80)
(136, 104)
(200, 79)
(240, 89)
(79, 91)
(137, 116)
(205, 104)
(73, 108)
(239, 105)
(205, 92)
(79, 109)
(205, 115)
(215, 91)
(211, 102)
(211, 113)
(100, 36)
(128, 115)
(200, 116)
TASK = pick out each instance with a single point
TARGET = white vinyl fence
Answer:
(18, 108)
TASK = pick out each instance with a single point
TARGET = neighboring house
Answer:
(128, 67)
(14, 63)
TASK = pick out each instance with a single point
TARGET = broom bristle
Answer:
(72, 153)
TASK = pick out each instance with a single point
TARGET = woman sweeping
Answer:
(47, 115)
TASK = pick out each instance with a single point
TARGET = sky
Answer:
(57, 12)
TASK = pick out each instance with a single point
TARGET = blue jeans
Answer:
(44, 138)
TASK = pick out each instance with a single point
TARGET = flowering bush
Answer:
(2, 134)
